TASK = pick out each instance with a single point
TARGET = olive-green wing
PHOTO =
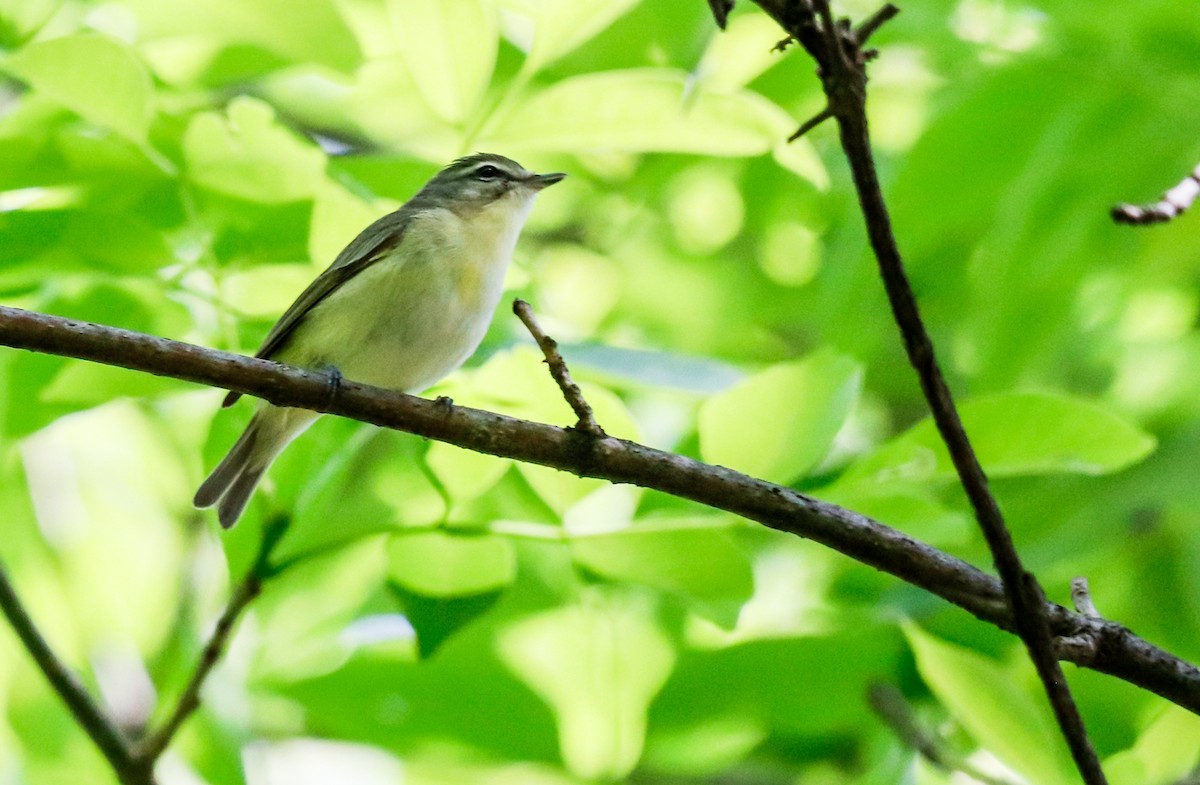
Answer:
(370, 246)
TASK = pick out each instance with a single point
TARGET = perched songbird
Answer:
(406, 303)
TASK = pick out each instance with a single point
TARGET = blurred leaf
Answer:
(315, 33)
(95, 76)
(778, 423)
(1166, 752)
(450, 49)
(305, 609)
(1002, 715)
(463, 473)
(658, 368)
(440, 563)
(436, 619)
(822, 698)
(560, 26)
(248, 155)
(19, 19)
(694, 560)
(642, 110)
(1015, 434)
(265, 291)
(742, 51)
(598, 664)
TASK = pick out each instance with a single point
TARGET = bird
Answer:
(402, 306)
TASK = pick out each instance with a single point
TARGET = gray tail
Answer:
(233, 481)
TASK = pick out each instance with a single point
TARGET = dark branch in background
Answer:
(1171, 205)
(558, 369)
(153, 744)
(841, 62)
(1121, 653)
(98, 725)
(889, 703)
(134, 763)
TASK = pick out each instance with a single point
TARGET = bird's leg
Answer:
(333, 383)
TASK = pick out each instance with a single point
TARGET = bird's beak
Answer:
(540, 181)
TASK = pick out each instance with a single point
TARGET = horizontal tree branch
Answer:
(1119, 652)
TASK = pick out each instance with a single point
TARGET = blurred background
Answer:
(185, 169)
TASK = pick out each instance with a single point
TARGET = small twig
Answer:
(98, 726)
(1081, 596)
(153, 744)
(1172, 204)
(864, 31)
(558, 369)
(811, 123)
(889, 703)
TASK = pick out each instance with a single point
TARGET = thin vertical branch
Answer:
(842, 68)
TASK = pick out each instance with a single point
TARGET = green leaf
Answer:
(305, 608)
(693, 559)
(464, 474)
(1004, 718)
(598, 664)
(1164, 753)
(317, 35)
(248, 155)
(741, 52)
(641, 110)
(450, 49)
(1015, 434)
(97, 77)
(438, 563)
(778, 423)
(561, 26)
(437, 619)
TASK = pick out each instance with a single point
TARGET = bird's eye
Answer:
(487, 172)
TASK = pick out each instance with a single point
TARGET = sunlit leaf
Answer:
(642, 110)
(1000, 713)
(598, 664)
(694, 560)
(559, 26)
(247, 154)
(1016, 434)
(779, 422)
(1166, 752)
(438, 563)
(93, 75)
(450, 49)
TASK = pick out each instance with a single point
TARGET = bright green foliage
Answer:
(1010, 718)
(185, 168)
(778, 423)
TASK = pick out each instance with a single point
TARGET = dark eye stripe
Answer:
(488, 172)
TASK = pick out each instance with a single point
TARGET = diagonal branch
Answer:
(1120, 652)
(152, 745)
(889, 703)
(102, 730)
(841, 62)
